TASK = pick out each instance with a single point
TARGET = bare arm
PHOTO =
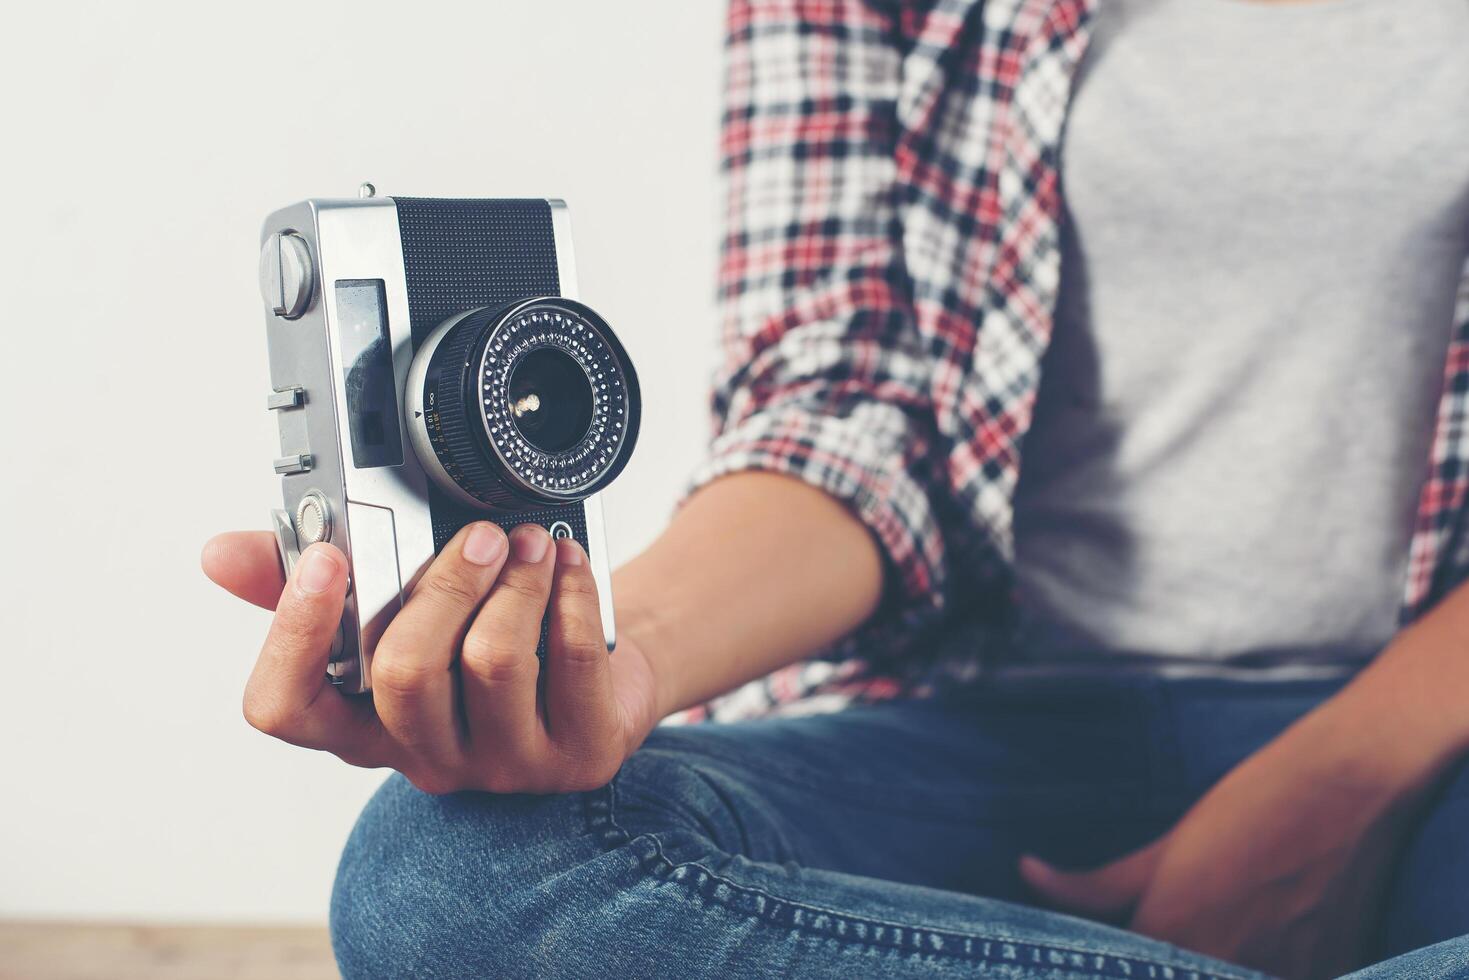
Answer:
(755, 572)
(1410, 707)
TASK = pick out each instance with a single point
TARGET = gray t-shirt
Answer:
(1268, 212)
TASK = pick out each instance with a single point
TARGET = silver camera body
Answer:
(372, 459)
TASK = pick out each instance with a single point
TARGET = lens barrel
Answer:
(529, 405)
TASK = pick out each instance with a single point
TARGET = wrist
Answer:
(639, 628)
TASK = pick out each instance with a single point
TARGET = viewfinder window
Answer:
(367, 359)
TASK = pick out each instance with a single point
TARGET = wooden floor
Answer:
(100, 951)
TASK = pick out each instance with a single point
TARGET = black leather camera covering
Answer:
(462, 254)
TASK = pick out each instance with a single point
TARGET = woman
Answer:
(1217, 611)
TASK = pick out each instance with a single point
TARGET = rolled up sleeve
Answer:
(824, 376)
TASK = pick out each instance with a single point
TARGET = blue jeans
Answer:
(881, 841)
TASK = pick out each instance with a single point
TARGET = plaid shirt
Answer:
(889, 272)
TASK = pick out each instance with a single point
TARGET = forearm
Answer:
(756, 571)
(1369, 754)
(1405, 718)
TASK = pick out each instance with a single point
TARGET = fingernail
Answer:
(528, 542)
(316, 572)
(484, 544)
(569, 553)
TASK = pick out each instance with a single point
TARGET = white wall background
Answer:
(140, 147)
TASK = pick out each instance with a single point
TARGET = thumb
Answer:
(1109, 892)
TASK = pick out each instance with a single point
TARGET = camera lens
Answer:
(525, 406)
(551, 400)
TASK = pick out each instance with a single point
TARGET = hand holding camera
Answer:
(455, 700)
(436, 384)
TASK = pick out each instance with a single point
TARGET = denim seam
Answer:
(760, 904)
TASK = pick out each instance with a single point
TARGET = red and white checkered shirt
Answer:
(890, 269)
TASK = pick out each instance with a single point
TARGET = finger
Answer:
(413, 680)
(581, 714)
(290, 673)
(247, 564)
(1109, 892)
(288, 695)
(500, 669)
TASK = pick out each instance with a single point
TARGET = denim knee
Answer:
(432, 885)
(479, 884)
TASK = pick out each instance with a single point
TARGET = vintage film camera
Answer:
(430, 366)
